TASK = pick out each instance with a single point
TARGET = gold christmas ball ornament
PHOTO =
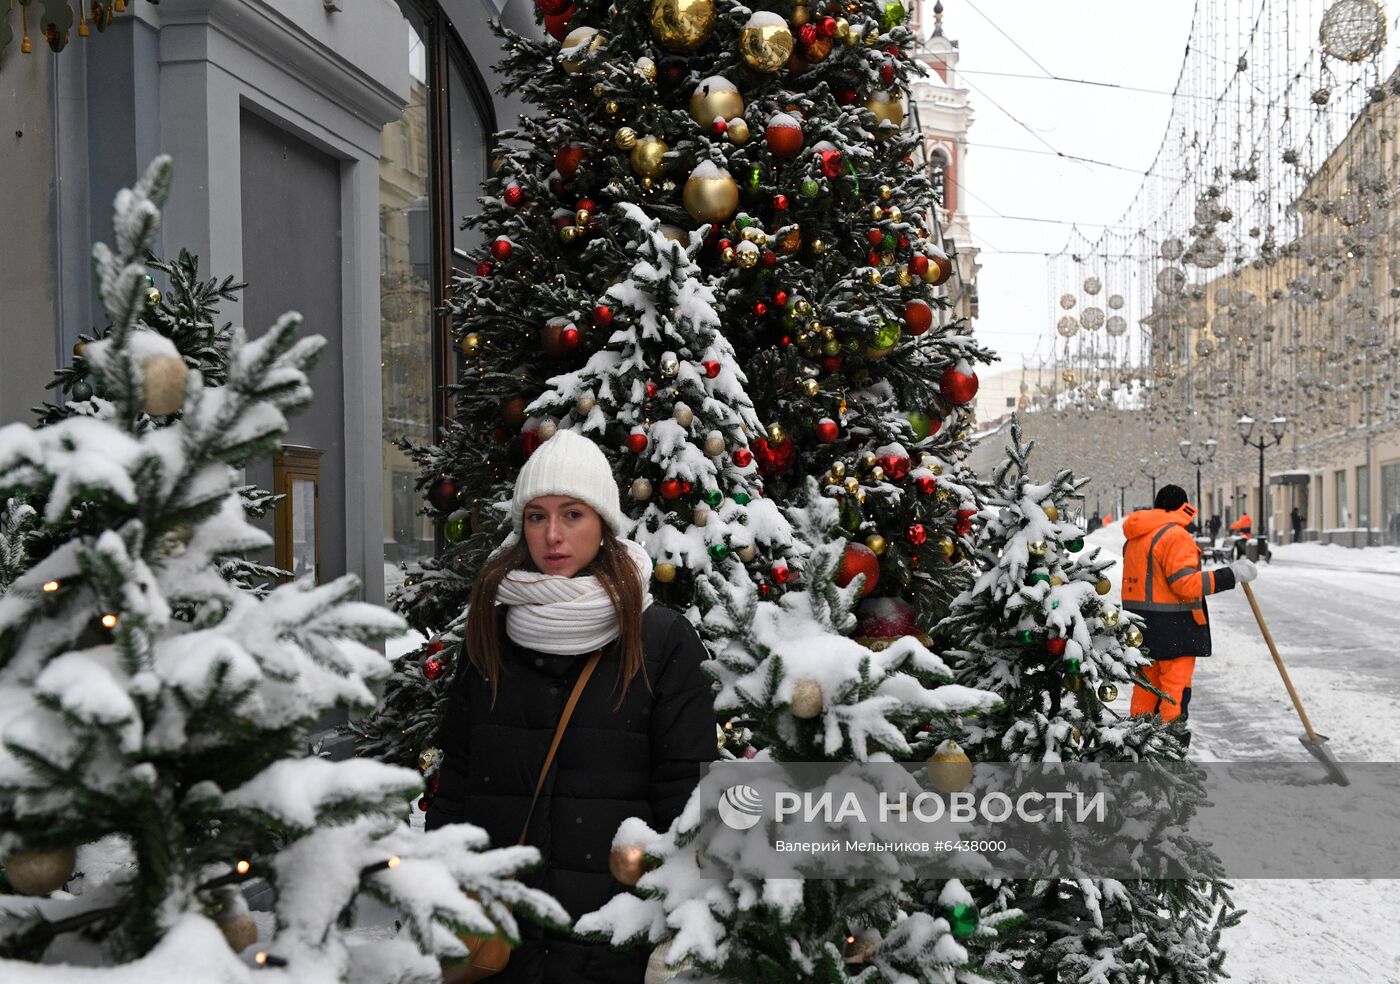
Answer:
(747, 553)
(682, 25)
(903, 277)
(873, 277)
(1103, 586)
(949, 769)
(876, 543)
(163, 383)
(547, 429)
(1051, 513)
(714, 444)
(648, 157)
(776, 433)
(625, 138)
(747, 255)
(810, 387)
(641, 489)
(1133, 636)
(665, 572)
(40, 872)
(710, 195)
(240, 932)
(700, 515)
(738, 131)
(470, 344)
(715, 98)
(577, 45)
(584, 405)
(851, 485)
(1108, 693)
(868, 460)
(427, 758)
(568, 234)
(1109, 617)
(611, 107)
(800, 14)
(838, 469)
(806, 700)
(888, 108)
(627, 863)
(765, 43)
(683, 415)
(646, 68)
(583, 217)
(1037, 548)
(660, 968)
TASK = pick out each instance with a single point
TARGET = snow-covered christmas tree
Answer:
(1037, 629)
(155, 716)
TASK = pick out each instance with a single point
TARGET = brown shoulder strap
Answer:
(559, 734)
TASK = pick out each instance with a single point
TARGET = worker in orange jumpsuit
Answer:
(1164, 584)
(1242, 525)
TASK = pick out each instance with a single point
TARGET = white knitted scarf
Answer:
(550, 613)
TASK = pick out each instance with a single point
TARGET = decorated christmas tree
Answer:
(1037, 629)
(154, 716)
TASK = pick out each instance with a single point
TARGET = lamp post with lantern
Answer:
(1202, 456)
(1245, 426)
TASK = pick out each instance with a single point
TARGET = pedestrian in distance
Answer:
(1297, 519)
(1214, 527)
(1163, 582)
(566, 595)
(1095, 522)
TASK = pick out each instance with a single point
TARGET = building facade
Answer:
(325, 152)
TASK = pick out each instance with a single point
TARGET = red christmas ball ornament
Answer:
(872, 259)
(935, 425)
(484, 268)
(859, 559)
(916, 534)
(687, 488)
(1056, 646)
(783, 135)
(723, 244)
(530, 441)
(602, 315)
(423, 804)
(434, 646)
(567, 160)
(926, 484)
(957, 386)
(780, 297)
(514, 195)
(831, 363)
(759, 309)
(885, 618)
(636, 442)
(742, 457)
(807, 34)
(770, 258)
(827, 26)
(671, 488)
(553, 8)
(781, 574)
(433, 784)
(780, 203)
(711, 368)
(502, 248)
(874, 236)
(558, 24)
(433, 668)
(774, 459)
(718, 127)
(586, 204)
(918, 317)
(887, 73)
(918, 264)
(903, 242)
(892, 50)
(652, 390)
(784, 341)
(827, 430)
(443, 494)
(966, 515)
(833, 162)
(896, 466)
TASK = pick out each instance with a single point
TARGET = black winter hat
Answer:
(1170, 498)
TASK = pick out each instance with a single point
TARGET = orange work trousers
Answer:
(1173, 678)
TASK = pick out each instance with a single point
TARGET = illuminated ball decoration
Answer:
(710, 194)
(715, 98)
(682, 25)
(765, 43)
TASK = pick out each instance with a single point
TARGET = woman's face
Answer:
(563, 534)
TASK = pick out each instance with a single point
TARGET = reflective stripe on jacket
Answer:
(1163, 582)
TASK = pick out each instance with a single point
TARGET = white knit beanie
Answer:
(569, 464)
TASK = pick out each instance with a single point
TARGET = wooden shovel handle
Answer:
(1283, 672)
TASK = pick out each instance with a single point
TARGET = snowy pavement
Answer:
(1334, 614)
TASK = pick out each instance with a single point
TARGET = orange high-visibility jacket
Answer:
(1243, 524)
(1163, 582)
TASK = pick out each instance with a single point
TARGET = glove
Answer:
(1245, 570)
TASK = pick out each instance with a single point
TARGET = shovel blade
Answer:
(1317, 745)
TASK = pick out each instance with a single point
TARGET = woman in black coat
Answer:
(639, 736)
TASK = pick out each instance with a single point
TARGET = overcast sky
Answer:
(1127, 43)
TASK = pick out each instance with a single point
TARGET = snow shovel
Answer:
(1312, 741)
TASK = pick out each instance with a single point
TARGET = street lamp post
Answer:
(1153, 474)
(1202, 456)
(1245, 425)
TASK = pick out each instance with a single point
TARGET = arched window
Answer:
(938, 162)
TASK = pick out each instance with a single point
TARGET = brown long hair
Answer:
(615, 572)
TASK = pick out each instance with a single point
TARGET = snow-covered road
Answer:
(1335, 615)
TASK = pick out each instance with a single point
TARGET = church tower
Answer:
(942, 113)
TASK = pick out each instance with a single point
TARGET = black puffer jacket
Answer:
(642, 759)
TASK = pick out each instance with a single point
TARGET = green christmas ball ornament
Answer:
(810, 188)
(962, 917)
(1075, 545)
(455, 529)
(744, 220)
(1040, 577)
(753, 178)
(1025, 637)
(890, 242)
(80, 391)
(1072, 665)
(921, 422)
(886, 336)
(718, 551)
(713, 497)
(742, 498)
